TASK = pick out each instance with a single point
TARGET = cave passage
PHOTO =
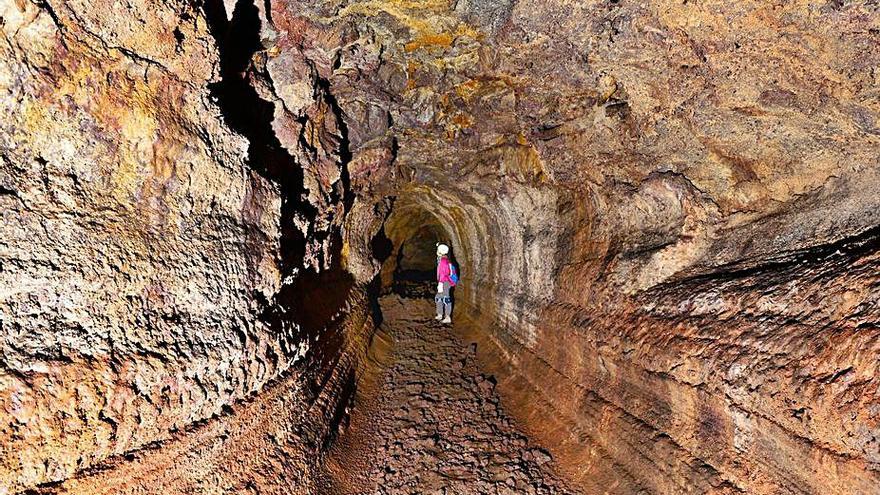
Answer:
(415, 259)
(413, 231)
(426, 419)
(220, 220)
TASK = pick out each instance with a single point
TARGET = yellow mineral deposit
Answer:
(224, 224)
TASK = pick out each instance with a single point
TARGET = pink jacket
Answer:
(443, 270)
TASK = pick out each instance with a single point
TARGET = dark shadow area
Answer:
(416, 263)
(313, 299)
(382, 248)
(786, 265)
(251, 116)
(313, 307)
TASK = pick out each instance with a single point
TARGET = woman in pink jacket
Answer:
(445, 281)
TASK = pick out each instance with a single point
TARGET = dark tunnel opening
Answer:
(409, 253)
(415, 258)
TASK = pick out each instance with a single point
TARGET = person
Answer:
(444, 283)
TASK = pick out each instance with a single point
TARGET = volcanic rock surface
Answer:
(427, 421)
(664, 214)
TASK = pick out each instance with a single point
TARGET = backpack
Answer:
(453, 275)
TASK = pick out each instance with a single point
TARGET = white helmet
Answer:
(442, 249)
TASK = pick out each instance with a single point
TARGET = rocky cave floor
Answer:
(427, 421)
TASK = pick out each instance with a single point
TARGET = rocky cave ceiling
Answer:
(666, 211)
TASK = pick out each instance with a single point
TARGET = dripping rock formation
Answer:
(664, 214)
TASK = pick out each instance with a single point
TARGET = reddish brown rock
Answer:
(665, 215)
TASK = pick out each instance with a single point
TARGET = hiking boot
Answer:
(447, 320)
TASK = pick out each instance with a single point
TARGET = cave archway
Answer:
(414, 231)
(414, 260)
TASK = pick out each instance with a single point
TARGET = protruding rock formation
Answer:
(151, 256)
(665, 214)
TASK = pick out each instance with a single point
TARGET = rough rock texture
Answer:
(426, 421)
(149, 262)
(665, 213)
(266, 444)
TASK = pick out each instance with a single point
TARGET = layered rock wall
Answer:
(151, 264)
(666, 212)
(669, 240)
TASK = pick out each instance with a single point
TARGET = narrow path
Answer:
(426, 421)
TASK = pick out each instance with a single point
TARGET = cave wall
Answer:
(664, 212)
(156, 237)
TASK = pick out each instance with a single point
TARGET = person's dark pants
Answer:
(444, 302)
